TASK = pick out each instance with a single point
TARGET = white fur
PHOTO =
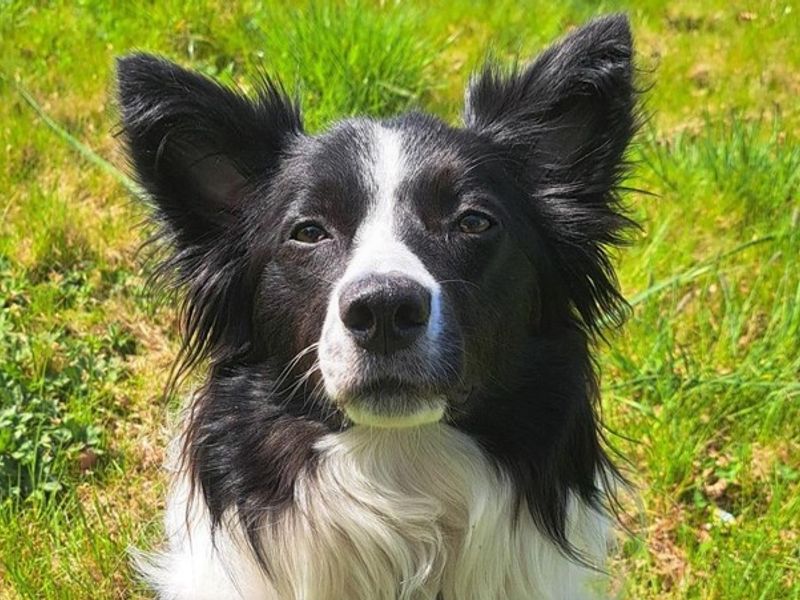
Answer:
(387, 515)
(192, 565)
(377, 249)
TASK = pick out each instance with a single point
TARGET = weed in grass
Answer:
(55, 384)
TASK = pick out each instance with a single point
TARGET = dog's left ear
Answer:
(564, 123)
(200, 151)
(195, 144)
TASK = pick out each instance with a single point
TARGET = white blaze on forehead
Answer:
(377, 247)
(386, 167)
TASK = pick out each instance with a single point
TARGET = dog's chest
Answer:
(417, 514)
(400, 508)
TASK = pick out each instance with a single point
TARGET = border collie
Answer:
(398, 317)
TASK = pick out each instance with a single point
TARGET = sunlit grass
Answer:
(702, 385)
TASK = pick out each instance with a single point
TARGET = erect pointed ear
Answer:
(570, 112)
(195, 144)
(564, 122)
(197, 149)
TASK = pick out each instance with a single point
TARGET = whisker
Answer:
(464, 281)
(292, 364)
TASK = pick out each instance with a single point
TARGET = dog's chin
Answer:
(394, 411)
(426, 413)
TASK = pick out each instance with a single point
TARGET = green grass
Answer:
(701, 387)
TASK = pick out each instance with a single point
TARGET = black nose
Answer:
(385, 313)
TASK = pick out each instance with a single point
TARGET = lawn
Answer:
(701, 387)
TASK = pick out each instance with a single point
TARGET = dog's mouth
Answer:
(412, 415)
(389, 403)
(395, 404)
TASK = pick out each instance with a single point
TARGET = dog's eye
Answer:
(473, 222)
(309, 233)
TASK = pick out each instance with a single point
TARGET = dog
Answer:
(398, 317)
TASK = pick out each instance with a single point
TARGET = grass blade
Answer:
(82, 149)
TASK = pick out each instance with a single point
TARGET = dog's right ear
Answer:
(197, 149)
(194, 144)
(564, 123)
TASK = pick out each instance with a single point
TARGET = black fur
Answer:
(565, 122)
(542, 149)
(198, 149)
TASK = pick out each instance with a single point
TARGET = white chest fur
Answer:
(386, 515)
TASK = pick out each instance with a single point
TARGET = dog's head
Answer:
(393, 272)
(402, 266)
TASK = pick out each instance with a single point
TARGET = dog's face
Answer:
(397, 257)
(392, 268)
